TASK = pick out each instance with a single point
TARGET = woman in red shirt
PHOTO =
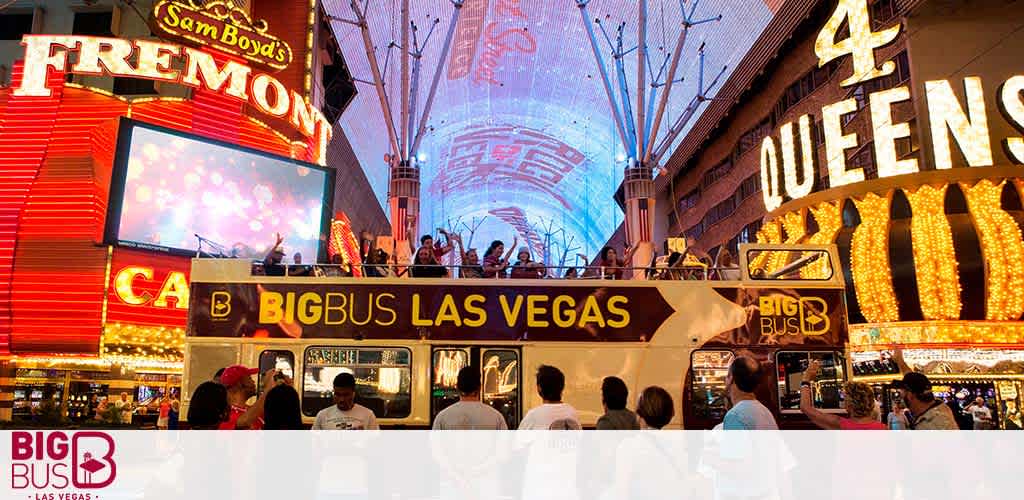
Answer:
(860, 405)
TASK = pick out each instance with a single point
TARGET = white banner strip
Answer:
(214, 465)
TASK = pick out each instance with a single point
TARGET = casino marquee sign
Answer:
(788, 159)
(224, 27)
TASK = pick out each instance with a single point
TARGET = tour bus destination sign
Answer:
(224, 27)
(968, 125)
(623, 314)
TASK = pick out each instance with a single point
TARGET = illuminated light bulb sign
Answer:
(949, 120)
(175, 286)
(223, 27)
(158, 61)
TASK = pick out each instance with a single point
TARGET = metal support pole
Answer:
(404, 141)
(437, 77)
(627, 107)
(669, 80)
(641, 80)
(378, 82)
(603, 69)
(413, 92)
(687, 115)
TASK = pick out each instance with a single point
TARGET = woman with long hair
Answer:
(281, 410)
(208, 407)
(609, 265)
(425, 265)
(494, 262)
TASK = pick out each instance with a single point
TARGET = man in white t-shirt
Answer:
(747, 413)
(553, 414)
(469, 413)
(981, 414)
(345, 414)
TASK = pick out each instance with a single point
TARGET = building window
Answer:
(864, 158)
(689, 201)
(882, 11)
(908, 146)
(93, 23)
(804, 86)
(715, 173)
(750, 186)
(695, 232)
(752, 138)
(15, 26)
(720, 211)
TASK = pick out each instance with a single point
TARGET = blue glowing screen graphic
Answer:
(520, 140)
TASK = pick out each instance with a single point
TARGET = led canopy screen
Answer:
(170, 190)
(520, 141)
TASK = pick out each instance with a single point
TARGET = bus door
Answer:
(500, 378)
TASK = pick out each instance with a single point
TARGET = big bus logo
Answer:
(787, 315)
(53, 461)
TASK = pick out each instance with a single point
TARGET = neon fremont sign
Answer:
(946, 116)
(155, 61)
(223, 27)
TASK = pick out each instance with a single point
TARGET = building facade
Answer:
(912, 171)
(82, 318)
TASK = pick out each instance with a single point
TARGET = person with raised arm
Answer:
(471, 267)
(272, 265)
(494, 263)
(859, 404)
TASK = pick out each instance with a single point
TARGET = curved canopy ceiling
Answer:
(521, 138)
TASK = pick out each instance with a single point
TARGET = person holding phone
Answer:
(860, 405)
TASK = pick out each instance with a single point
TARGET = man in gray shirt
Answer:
(469, 413)
(614, 394)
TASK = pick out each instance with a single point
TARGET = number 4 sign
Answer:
(860, 45)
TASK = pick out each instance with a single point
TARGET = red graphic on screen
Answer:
(515, 217)
(498, 155)
(467, 36)
(498, 43)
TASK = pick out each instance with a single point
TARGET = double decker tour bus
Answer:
(405, 340)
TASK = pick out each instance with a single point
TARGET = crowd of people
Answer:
(222, 404)
(428, 262)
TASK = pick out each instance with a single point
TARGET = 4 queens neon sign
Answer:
(967, 124)
(154, 60)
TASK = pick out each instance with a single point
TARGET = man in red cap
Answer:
(240, 386)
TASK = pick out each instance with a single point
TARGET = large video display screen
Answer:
(520, 141)
(170, 190)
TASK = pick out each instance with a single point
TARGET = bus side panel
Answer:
(203, 361)
(638, 365)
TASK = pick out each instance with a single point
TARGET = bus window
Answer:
(500, 387)
(445, 373)
(383, 378)
(770, 264)
(710, 369)
(283, 361)
(828, 389)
